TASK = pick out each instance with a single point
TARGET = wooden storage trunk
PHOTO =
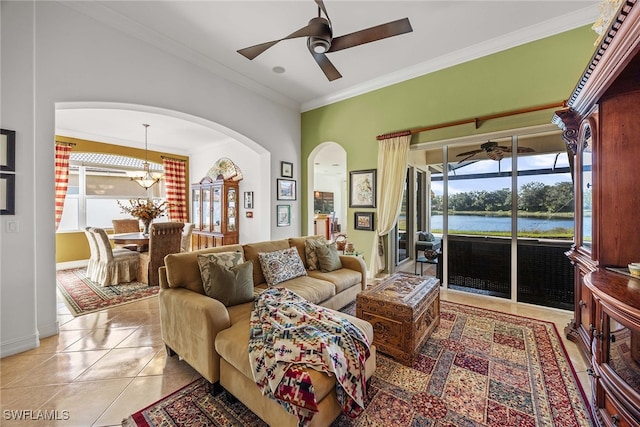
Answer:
(404, 310)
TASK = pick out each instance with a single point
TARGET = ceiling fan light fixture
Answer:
(319, 44)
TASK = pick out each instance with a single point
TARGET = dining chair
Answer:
(164, 238)
(94, 258)
(128, 225)
(185, 245)
(114, 265)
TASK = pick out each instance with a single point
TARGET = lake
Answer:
(496, 223)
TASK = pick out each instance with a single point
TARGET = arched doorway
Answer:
(327, 166)
(204, 141)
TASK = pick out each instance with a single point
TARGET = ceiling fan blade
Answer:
(520, 149)
(467, 153)
(379, 32)
(253, 51)
(315, 27)
(327, 67)
(525, 150)
(320, 4)
(470, 155)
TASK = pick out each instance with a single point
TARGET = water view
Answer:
(500, 224)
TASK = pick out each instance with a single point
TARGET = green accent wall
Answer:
(537, 73)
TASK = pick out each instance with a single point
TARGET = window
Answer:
(94, 191)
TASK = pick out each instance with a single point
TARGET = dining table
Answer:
(141, 240)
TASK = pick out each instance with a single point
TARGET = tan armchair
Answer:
(164, 238)
(126, 226)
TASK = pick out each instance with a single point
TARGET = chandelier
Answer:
(145, 178)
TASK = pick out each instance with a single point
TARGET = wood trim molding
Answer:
(617, 49)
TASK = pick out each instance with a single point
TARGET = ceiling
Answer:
(209, 33)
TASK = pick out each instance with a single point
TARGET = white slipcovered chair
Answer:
(185, 244)
(94, 258)
(114, 266)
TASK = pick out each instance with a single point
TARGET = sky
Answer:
(540, 161)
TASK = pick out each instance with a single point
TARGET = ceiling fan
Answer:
(493, 150)
(320, 39)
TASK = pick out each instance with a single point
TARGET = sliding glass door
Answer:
(404, 225)
(504, 207)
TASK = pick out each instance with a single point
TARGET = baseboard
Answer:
(49, 330)
(72, 264)
(19, 345)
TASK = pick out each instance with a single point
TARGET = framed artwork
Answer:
(286, 189)
(363, 221)
(7, 194)
(362, 189)
(7, 150)
(286, 169)
(283, 215)
(248, 199)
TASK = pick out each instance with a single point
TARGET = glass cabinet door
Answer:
(623, 352)
(195, 207)
(231, 209)
(585, 152)
(217, 208)
(206, 209)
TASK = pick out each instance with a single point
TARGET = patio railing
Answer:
(483, 265)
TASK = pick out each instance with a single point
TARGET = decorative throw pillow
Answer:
(328, 258)
(282, 265)
(310, 246)
(225, 259)
(230, 286)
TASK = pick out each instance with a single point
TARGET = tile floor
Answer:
(104, 366)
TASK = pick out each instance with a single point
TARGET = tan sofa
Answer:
(214, 339)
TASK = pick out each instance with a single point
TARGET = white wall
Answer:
(250, 162)
(51, 53)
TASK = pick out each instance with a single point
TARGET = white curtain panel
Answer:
(393, 158)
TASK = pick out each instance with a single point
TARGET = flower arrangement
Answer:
(144, 209)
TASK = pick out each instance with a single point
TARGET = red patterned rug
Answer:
(83, 296)
(479, 368)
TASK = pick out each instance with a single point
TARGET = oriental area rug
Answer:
(479, 368)
(83, 296)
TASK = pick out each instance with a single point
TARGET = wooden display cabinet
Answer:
(214, 206)
(602, 130)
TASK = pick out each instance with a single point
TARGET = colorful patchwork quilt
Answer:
(288, 335)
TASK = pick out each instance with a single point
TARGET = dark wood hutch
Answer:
(214, 208)
(601, 126)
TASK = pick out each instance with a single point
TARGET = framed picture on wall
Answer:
(283, 215)
(362, 189)
(286, 189)
(7, 194)
(7, 150)
(248, 199)
(286, 169)
(363, 221)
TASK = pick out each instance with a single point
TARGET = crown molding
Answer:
(548, 28)
(109, 17)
